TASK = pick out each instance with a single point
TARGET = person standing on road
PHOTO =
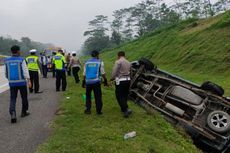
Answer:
(33, 66)
(16, 72)
(68, 58)
(93, 70)
(75, 65)
(53, 65)
(44, 61)
(60, 63)
(121, 75)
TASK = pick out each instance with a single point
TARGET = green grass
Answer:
(75, 132)
(194, 50)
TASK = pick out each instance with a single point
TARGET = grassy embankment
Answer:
(197, 51)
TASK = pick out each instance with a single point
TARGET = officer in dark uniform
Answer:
(60, 67)
(121, 75)
(18, 76)
(93, 70)
(33, 66)
(53, 65)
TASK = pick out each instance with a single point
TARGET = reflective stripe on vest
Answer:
(14, 71)
(92, 71)
(32, 62)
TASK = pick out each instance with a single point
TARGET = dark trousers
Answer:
(53, 69)
(60, 79)
(122, 92)
(34, 77)
(68, 70)
(44, 70)
(97, 94)
(75, 71)
(13, 97)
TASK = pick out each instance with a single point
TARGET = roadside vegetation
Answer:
(195, 50)
(75, 132)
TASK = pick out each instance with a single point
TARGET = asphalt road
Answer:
(28, 132)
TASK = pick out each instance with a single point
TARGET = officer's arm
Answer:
(25, 70)
(83, 81)
(6, 72)
(102, 69)
(64, 60)
(114, 72)
(26, 61)
(70, 63)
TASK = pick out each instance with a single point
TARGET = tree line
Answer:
(146, 16)
(25, 44)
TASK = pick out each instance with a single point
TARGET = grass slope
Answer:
(195, 50)
(75, 132)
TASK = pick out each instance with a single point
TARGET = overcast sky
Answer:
(61, 22)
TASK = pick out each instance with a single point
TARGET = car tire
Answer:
(213, 88)
(147, 63)
(219, 121)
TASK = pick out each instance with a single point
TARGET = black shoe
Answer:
(129, 111)
(87, 111)
(38, 92)
(99, 113)
(24, 114)
(57, 90)
(13, 117)
(126, 114)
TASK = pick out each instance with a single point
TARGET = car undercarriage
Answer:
(202, 110)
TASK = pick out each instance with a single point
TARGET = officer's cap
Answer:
(33, 51)
(73, 52)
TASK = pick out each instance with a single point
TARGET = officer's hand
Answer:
(29, 84)
(83, 84)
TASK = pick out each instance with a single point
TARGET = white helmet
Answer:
(33, 51)
(74, 52)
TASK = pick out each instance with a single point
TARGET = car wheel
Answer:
(212, 87)
(219, 121)
(147, 63)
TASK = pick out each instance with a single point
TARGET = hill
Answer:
(199, 47)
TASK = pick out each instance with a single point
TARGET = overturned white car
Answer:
(202, 110)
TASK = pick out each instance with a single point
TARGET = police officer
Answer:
(18, 76)
(93, 70)
(33, 66)
(52, 61)
(75, 65)
(121, 75)
(68, 58)
(44, 61)
(60, 63)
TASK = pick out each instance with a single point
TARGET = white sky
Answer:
(61, 22)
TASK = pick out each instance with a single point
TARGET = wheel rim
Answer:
(219, 120)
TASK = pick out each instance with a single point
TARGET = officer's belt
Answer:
(124, 79)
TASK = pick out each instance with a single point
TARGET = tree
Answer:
(128, 31)
(116, 37)
(97, 38)
(118, 20)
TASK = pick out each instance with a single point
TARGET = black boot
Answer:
(13, 117)
(24, 114)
